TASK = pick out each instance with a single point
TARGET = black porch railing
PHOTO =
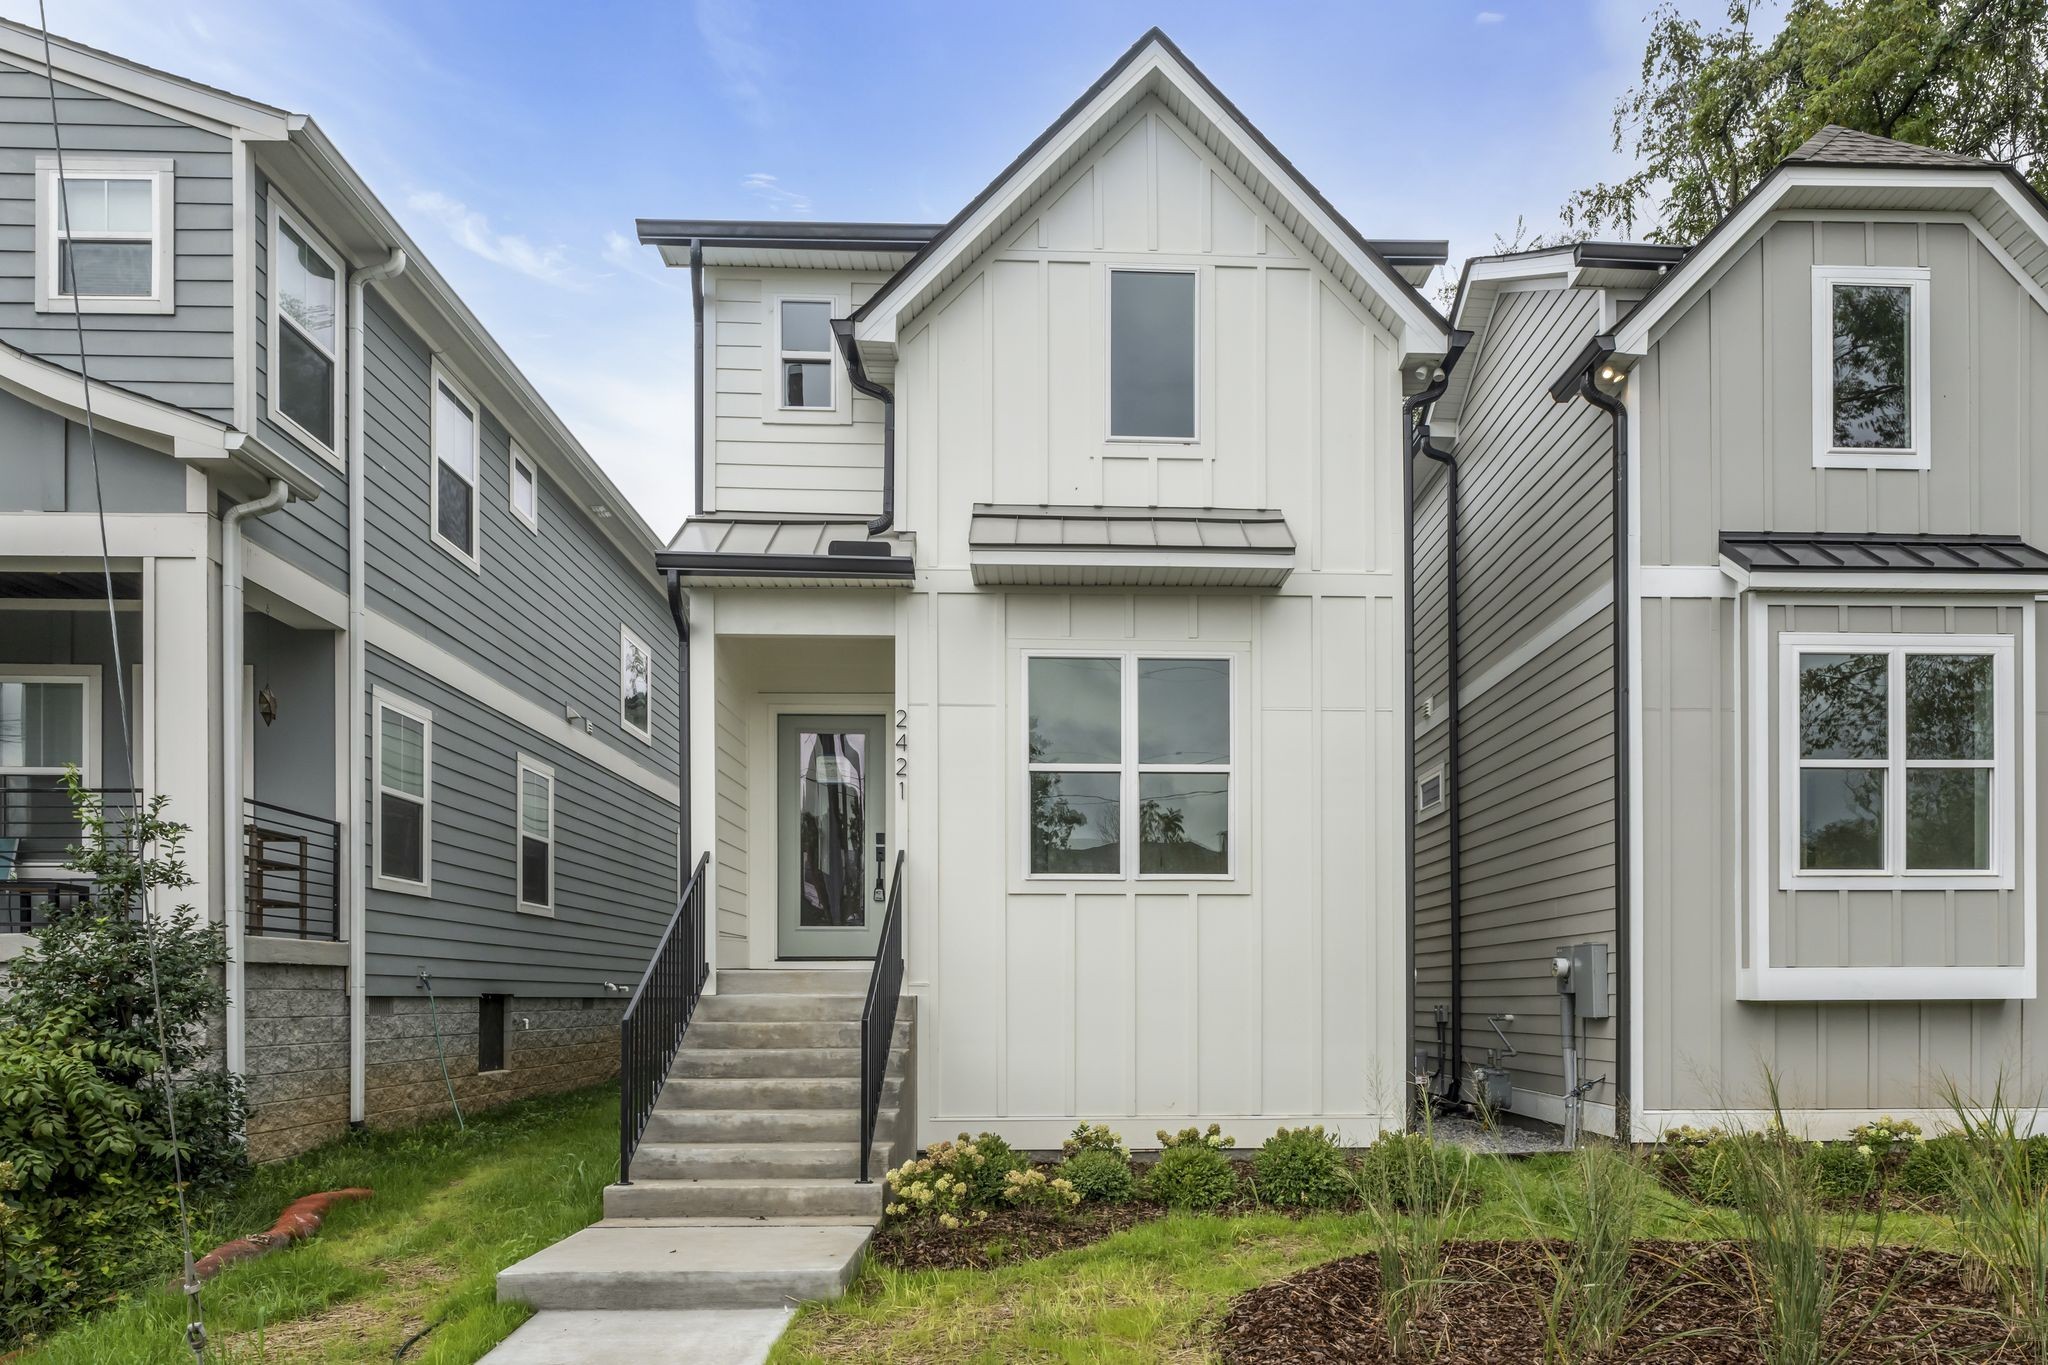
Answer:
(38, 831)
(878, 1016)
(651, 1029)
(291, 863)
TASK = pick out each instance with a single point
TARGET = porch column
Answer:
(181, 715)
(703, 775)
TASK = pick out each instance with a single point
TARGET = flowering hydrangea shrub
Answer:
(1033, 1189)
(953, 1183)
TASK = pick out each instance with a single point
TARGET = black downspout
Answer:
(1588, 387)
(1411, 436)
(1454, 759)
(698, 384)
(675, 607)
(842, 328)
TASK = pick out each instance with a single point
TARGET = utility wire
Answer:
(195, 1317)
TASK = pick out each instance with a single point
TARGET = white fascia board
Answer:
(1858, 984)
(1888, 581)
(1741, 229)
(1420, 334)
(104, 73)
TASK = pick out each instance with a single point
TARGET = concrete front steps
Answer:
(744, 1192)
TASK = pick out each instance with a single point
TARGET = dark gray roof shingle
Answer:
(1821, 552)
(1835, 145)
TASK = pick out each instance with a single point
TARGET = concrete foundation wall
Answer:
(298, 1057)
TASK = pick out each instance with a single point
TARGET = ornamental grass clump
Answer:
(1192, 1172)
(1414, 1193)
(1301, 1168)
(1999, 1199)
(1592, 1302)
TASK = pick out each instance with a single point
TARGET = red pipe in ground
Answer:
(301, 1219)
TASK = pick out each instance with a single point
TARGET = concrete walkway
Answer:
(730, 1336)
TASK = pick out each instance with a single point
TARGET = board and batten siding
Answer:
(185, 357)
(767, 460)
(543, 615)
(310, 535)
(615, 862)
(1536, 555)
(1725, 418)
(1276, 995)
(735, 806)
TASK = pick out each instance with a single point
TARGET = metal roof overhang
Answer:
(777, 552)
(1760, 560)
(1032, 546)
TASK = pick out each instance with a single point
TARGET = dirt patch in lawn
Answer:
(1704, 1312)
(395, 1314)
(1005, 1236)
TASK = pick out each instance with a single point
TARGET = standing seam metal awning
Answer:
(1779, 552)
(783, 552)
(1129, 546)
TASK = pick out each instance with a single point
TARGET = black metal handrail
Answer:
(651, 1029)
(878, 1016)
(292, 862)
(38, 831)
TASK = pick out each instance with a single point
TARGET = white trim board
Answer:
(1820, 1124)
(1684, 580)
(396, 640)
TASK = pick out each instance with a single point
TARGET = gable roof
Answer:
(1155, 66)
(1842, 170)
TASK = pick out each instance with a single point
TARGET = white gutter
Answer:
(234, 899)
(357, 856)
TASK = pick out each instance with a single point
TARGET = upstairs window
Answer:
(636, 685)
(804, 327)
(457, 449)
(1108, 736)
(104, 243)
(536, 836)
(305, 332)
(404, 826)
(1900, 766)
(1152, 355)
(1870, 374)
(525, 496)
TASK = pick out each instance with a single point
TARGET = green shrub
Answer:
(1412, 1171)
(1095, 1137)
(1031, 1188)
(1102, 1177)
(1842, 1173)
(1301, 1168)
(1707, 1163)
(1191, 1175)
(1932, 1166)
(953, 1182)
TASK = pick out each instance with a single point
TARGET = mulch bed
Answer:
(1487, 1314)
(1005, 1236)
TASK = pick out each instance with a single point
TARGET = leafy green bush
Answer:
(1842, 1173)
(1412, 1171)
(1102, 1177)
(1192, 1172)
(1932, 1166)
(1301, 1168)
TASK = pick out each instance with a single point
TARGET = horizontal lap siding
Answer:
(185, 357)
(543, 617)
(312, 535)
(615, 876)
(1538, 756)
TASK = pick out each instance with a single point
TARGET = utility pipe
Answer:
(678, 608)
(355, 821)
(842, 328)
(699, 384)
(234, 897)
(1454, 758)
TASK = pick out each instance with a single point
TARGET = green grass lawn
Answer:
(452, 1208)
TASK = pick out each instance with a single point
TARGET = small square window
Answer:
(103, 238)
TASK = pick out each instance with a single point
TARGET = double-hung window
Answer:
(1152, 355)
(47, 724)
(103, 245)
(305, 332)
(536, 815)
(405, 795)
(1898, 759)
(1129, 765)
(1871, 355)
(457, 441)
(636, 686)
(804, 329)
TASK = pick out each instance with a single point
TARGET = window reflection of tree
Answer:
(1872, 326)
(831, 830)
(1843, 715)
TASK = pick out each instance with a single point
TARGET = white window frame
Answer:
(524, 766)
(162, 176)
(628, 638)
(1895, 874)
(1920, 351)
(281, 216)
(439, 378)
(1109, 356)
(515, 461)
(837, 409)
(89, 676)
(1424, 808)
(1130, 769)
(381, 701)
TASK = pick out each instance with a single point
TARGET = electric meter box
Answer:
(1586, 980)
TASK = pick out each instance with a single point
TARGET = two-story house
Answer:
(1728, 596)
(1060, 550)
(387, 638)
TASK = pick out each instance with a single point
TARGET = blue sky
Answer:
(518, 141)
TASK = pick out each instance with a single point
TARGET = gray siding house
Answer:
(393, 644)
(1791, 790)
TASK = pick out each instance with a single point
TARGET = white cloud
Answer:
(727, 28)
(472, 232)
(778, 195)
(1489, 16)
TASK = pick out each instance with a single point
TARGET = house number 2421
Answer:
(902, 748)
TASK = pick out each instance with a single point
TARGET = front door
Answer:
(833, 833)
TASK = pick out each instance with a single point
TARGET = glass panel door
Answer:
(833, 840)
